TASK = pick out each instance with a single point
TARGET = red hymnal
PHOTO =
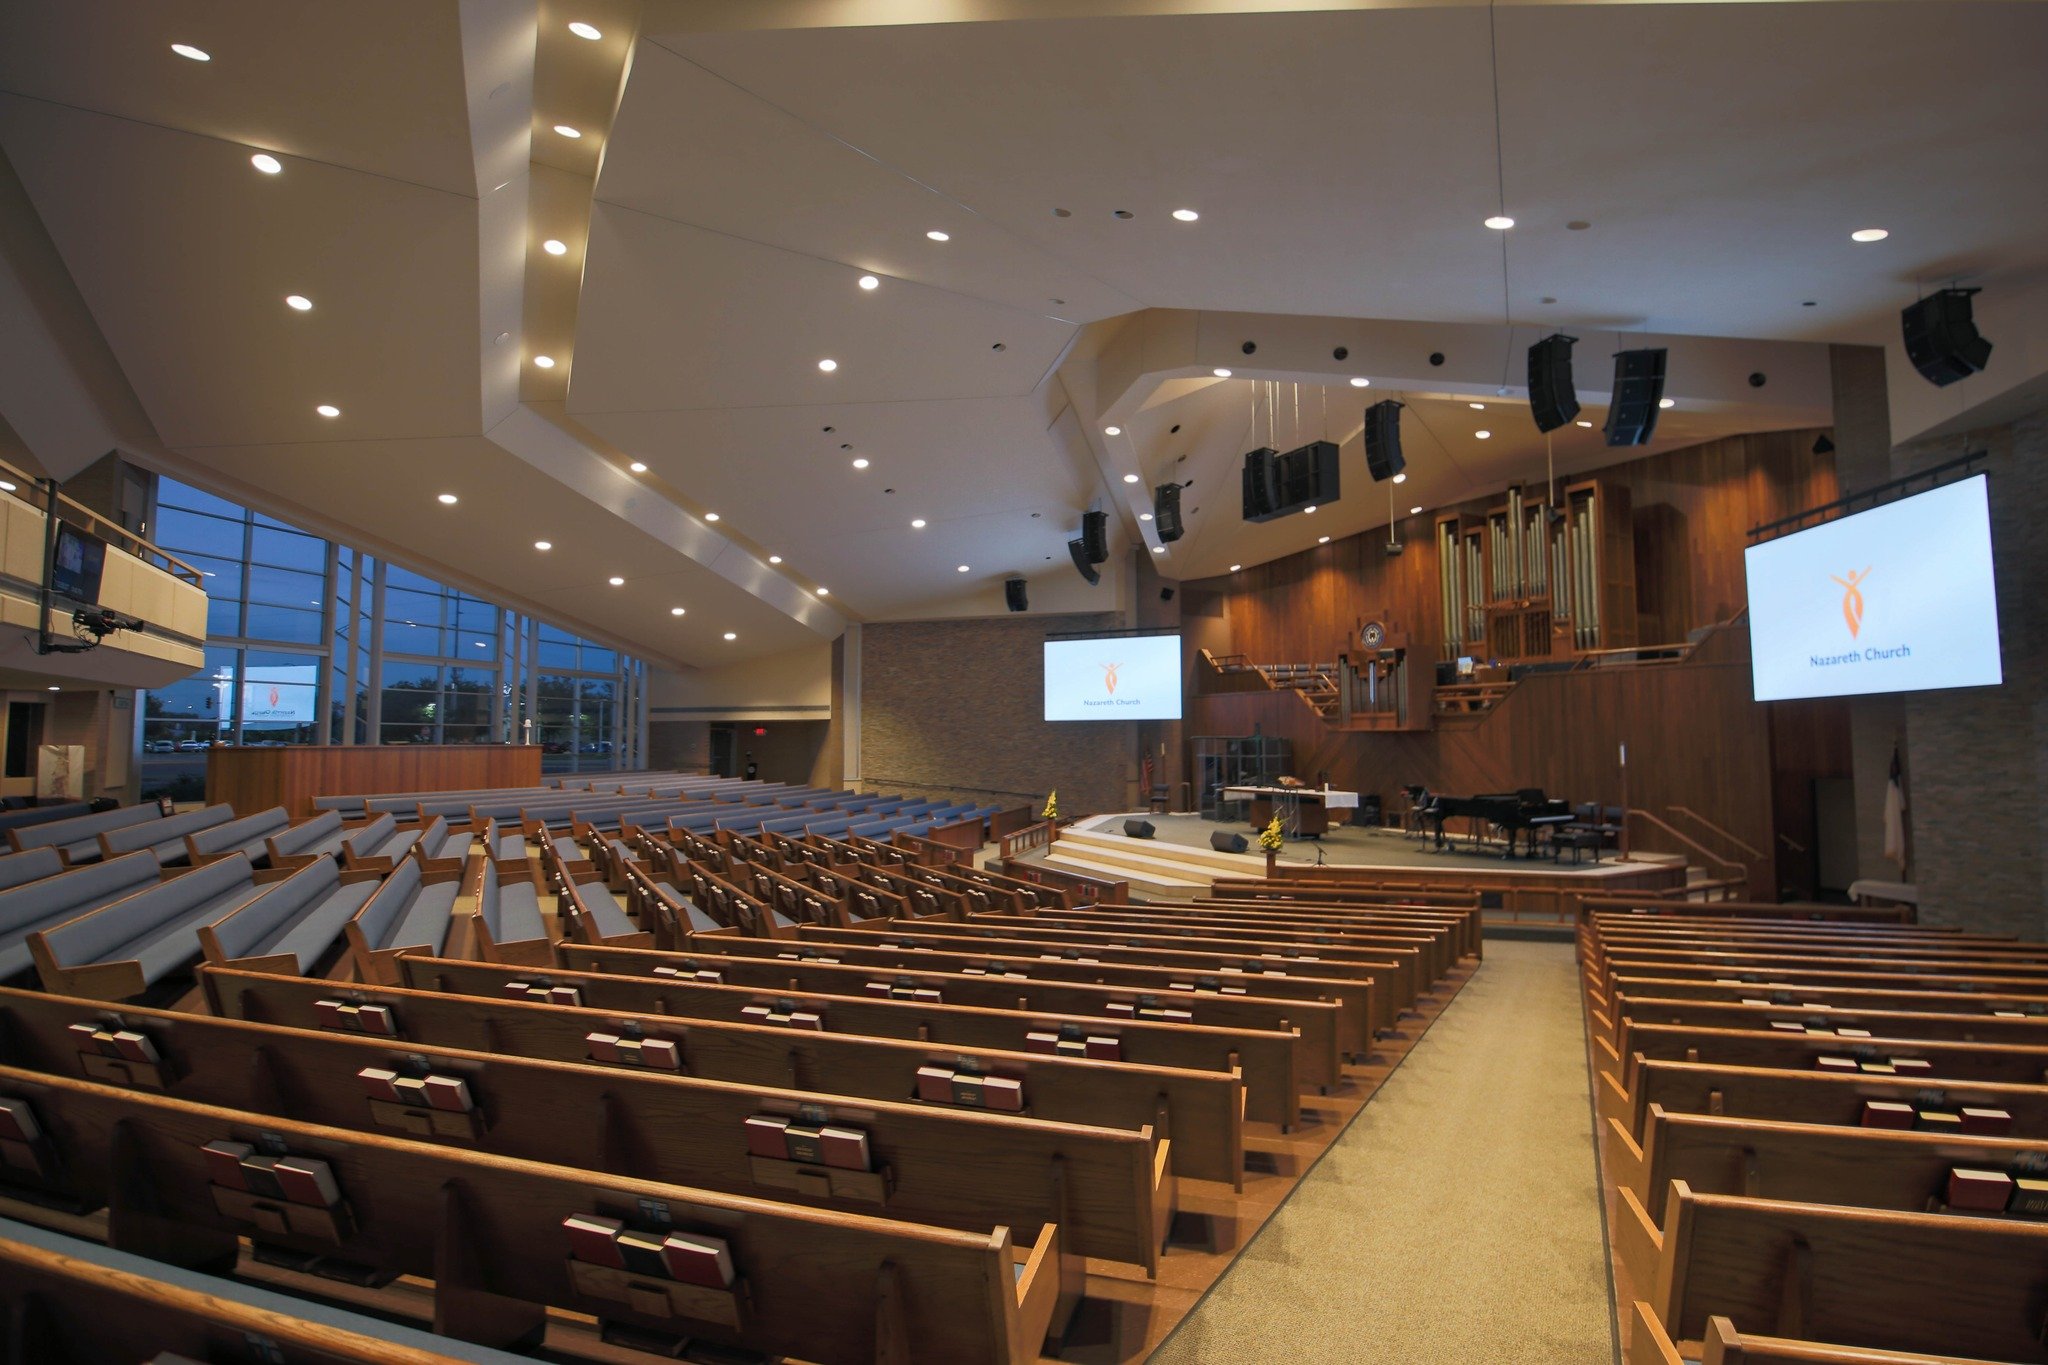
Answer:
(1887, 1114)
(595, 1239)
(1106, 1049)
(1042, 1042)
(692, 1258)
(935, 1083)
(807, 1019)
(135, 1047)
(379, 1083)
(604, 1047)
(224, 1163)
(661, 1052)
(376, 1019)
(1979, 1191)
(449, 1092)
(307, 1180)
(564, 995)
(756, 1013)
(1986, 1122)
(1002, 1092)
(765, 1137)
(86, 1036)
(845, 1147)
(328, 1012)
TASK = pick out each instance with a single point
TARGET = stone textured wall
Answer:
(954, 708)
(1978, 757)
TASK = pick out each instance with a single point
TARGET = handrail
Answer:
(1731, 838)
(1636, 812)
(29, 488)
(1024, 840)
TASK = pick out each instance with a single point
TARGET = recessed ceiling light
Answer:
(861, 463)
(554, 247)
(543, 545)
(328, 410)
(1308, 511)
(961, 569)
(917, 523)
(1868, 235)
(870, 282)
(1220, 372)
(1667, 402)
(616, 581)
(939, 236)
(1477, 407)
(1158, 549)
(55, 688)
(1585, 424)
(1112, 431)
(545, 362)
(1483, 435)
(1500, 222)
(266, 163)
(824, 592)
(191, 53)
(9, 486)
(675, 611)
(1235, 567)
(711, 516)
(774, 559)
(583, 30)
(1322, 540)
(298, 303)
(1144, 516)
(1415, 511)
(730, 636)
(1361, 383)
(448, 499)
(1130, 478)
(566, 131)
(828, 365)
(1400, 478)
(1186, 215)
(637, 467)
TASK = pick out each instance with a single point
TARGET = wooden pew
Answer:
(1854, 1277)
(1648, 1345)
(823, 1285)
(1202, 1110)
(1319, 1055)
(2022, 1000)
(1736, 1014)
(1426, 958)
(2020, 1063)
(1110, 1189)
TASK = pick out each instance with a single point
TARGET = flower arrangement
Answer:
(1052, 806)
(1270, 838)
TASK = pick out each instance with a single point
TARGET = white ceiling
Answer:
(729, 193)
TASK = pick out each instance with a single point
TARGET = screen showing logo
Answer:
(1127, 677)
(1852, 601)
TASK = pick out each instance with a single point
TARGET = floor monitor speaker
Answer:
(1941, 338)
(1552, 399)
(1383, 440)
(1225, 842)
(1638, 388)
(1138, 829)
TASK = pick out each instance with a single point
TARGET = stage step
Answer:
(1150, 882)
(1208, 861)
(1129, 865)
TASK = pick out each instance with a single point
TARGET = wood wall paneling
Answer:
(255, 779)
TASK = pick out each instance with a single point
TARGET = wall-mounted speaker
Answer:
(1228, 843)
(1095, 535)
(1383, 440)
(1013, 595)
(1942, 339)
(1078, 551)
(1138, 829)
(1166, 594)
(1638, 385)
(1166, 513)
(1552, 399)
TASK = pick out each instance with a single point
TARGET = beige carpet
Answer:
(1458, 1221)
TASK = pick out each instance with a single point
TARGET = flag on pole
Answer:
(1895, 816)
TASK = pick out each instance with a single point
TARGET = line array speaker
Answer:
(1013, 595)
(1942, 340)
(1138, 829)
(1078, 551)
(1224, 842)
(1638, 385)
(1261, 483)
(1383, 440)
(1166, 513)
(1552, 399)
(1095, 535)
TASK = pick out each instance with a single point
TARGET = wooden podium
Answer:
(255, 779)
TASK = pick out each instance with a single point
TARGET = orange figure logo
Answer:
(1109, 676)
(1852, 600)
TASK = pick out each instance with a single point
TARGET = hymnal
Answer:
(18, 1121)
(259, 1176)
(629, 1051)
(564, 995)
(379, 1083)
(845, 1147)
(934, 1083)
(2029, 1197)
(135, 1047)
(604, 1047)
(1887, 1114)
(642, 1251)
(594, 1238)
(1105, 1049)
(1836, 1064)
(307, 1180)
(1913, 1065)
(450, 1093)
(413, 1091)
(692, 1258)
(376, 1019)
(765, 1136)
(1978, 1191)
(806, 1143)
(328, 1012)
(224, 1162)
(1940, 1121)
(966, 1088)
(1986, 1122)
(1042, 1042)
(662, 1053)
(1878, 1069)
(1002, 1092)
(807, 1019)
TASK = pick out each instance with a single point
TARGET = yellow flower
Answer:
(1052, 806)
(1270, 837)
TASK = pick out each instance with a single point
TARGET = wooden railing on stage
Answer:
(1730, 867)
(1029, 839)
(254, 779)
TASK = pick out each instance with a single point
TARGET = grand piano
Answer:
(1512, 813)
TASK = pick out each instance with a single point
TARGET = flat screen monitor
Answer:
(1896, 599)
(1116, 677)
(77, 560)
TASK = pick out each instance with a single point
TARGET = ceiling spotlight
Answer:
(1415, 511)
(266, 163)
(961, 569)
(9, 486)
(1112, 431)
(1400, 478)
(824, 592)
(1483, 435)
(545, 362)
(711, 516)
(870, 282)
(1360, 383)
(1186, 215)
(1322, 540)
(1667, 402)
(917, 523)
(566, 131)
(828, 365)
(1585, 424)
(1221, 373)
(448, 499)
(543, 545)
(675, 611)
(1500, 222)
(298, 303)
(554, 247)
(861, 463)
(1868, 235)
(328, 410)
(616, 581)
(1144, 516)
(191, 53)
(1477, 407)
(1235, 567)
(774, 559)
(637, 467)
(55, 688)
(1158, 549)
(1130, 478)
(730, 636)
(939, 236)
(583, 30)
(1308, 511)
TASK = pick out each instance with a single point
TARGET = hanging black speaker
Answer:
(1261, 483)
(1013, 595)
(1166, 513)
(1383, 440)
(1638, 385)
(1942, 340)
(1552, 399)
(1078, 550)
(1095, 535)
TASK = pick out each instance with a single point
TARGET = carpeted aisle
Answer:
(1458, 1221)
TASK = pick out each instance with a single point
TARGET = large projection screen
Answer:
(1896, 599)
(1117, 677)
